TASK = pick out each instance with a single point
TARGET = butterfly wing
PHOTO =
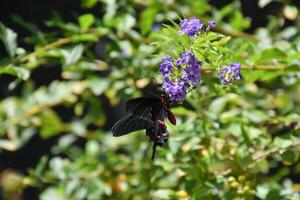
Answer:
(141, 107)
(129, 124)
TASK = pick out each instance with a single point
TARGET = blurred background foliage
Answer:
(68, 67)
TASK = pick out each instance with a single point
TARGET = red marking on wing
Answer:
(171, 117)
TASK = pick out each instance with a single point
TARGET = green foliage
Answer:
(240, 142)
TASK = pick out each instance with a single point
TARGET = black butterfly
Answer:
(147, 113)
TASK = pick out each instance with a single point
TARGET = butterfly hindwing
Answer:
(129, 124)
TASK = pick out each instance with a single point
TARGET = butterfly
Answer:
(147, 113)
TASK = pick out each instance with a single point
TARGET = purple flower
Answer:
(192, 71)
(190, 26)
(167, 59)
(228, 74)
(177, 91)
(192, 74)
(185, 56)
(212, 24)
(156, 27)
(166, 67)
(180, 62)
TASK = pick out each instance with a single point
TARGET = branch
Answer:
(263, 68)
(27, 57)
(261, 155)
(57, 43)
(28, 181)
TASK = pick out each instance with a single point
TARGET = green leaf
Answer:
(199, 55)
(92, 148)
(125, 22)
(274, 195)
(95, 188)
(51, 124)
(73, 55)
(147, 18)
(283, 141)
(52, 193)
(222, 41)
(211, 36)
(226, 10)
(216, 107)
(31, 27)
(63, 143)
(238, 22)
(269, 55)
(86, 21)
(162, 194)
(88, 3)
(263, 3)
(19, 72)
(245, 135)
(244, 158)
(41, 166)
(255, 116)
(182, 111)
(261, 75)
(289, 156)
(98, 86)
(9, 39)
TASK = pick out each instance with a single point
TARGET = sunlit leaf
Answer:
(73, 55)
(19, 72)
(86, 21)
(9, 39)
(51, 124)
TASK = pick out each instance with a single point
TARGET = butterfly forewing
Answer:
(141, 107)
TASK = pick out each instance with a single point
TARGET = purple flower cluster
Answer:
(190, 26)
(229, 74)
(183, 73)
(190, 65)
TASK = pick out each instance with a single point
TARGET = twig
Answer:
(27, 57)
(57, 43)
(231, 32)
(263, 68)
(261, 155)
(82, 177)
